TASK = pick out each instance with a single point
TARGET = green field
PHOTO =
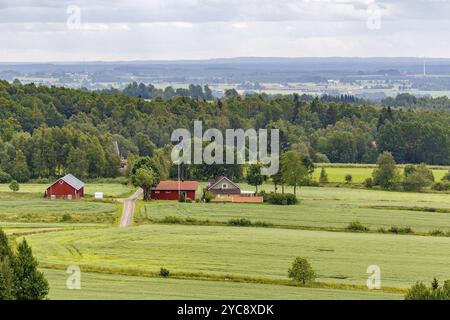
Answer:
(321, 208)
(359, 174)
(109, 190)
(48, 211)
(254, 252)
(109, 287)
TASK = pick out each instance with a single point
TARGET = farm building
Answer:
(67, 187)
(171, 190)
(228, 191)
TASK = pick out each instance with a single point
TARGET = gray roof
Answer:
(72, 181)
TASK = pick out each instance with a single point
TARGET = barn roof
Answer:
(73, 182)
(173, 186)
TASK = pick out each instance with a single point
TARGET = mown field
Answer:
(337, 174)
(126, 261)
(28, 209)
(118, 287)
(110, 190)
(255, 252)
(321, 208)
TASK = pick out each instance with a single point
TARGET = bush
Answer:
(14, 186)
(417, 177)
(282, 199)
(421, 292)
(397, 230)
(188, 200)
(437, 233)
(348, 178)
(182, 197)
(242, 222)
(163, 272)
(357, 226)
(441, 186)
(368, 183)
(208, 197)
(198, 200)
(66, 217)
(5, 177)
(301, 271)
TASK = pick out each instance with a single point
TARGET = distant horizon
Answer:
(218, 59)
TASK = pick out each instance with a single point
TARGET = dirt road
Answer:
(128, 208)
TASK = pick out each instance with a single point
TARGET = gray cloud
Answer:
(175, 29)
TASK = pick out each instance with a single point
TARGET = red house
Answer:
(67, 187)
(170, 190)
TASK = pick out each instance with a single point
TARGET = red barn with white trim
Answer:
(67, 187)
(169, 190)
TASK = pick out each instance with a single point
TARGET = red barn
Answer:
(170, 190)
(67, 187)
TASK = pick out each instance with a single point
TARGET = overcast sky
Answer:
(60, 30)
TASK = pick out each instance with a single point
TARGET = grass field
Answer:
(321, 208)
(257, 252)
(109, 189)
(359, 174)
(109, 287)
(37, 210)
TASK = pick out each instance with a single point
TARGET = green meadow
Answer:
(110, 190)
(222, 262)
(361, 173)
(267, 253)
(118, 287)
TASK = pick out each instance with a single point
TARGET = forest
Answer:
(48, 131)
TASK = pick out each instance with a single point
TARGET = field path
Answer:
(128, 208)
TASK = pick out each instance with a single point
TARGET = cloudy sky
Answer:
(60, 30)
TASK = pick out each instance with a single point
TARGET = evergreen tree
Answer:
(28, 283)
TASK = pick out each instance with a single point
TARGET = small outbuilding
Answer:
(67, 187)
(171, 190)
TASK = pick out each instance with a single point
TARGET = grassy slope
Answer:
(339, 257)
(321, 207)
(106, 286)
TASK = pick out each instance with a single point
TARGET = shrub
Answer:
(397, 230)
(437, 233)
(441, 186)
(198, 200)
(301, 271)
(172, 220)
(163, 272)
(4, 177)
(282, 199)
(182, 197)
(348, 178)
(417, 177)
(419, 291)
(188, 200)
(14, 186)
(368, 183)
(357, 226)
(208, 197)
(242, 222)
(66, 217)
(321, 158)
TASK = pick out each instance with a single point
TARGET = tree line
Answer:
(49, 131)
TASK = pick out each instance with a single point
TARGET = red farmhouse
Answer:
(169, 190)
(67, 187)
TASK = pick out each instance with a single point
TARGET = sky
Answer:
(123, 30)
